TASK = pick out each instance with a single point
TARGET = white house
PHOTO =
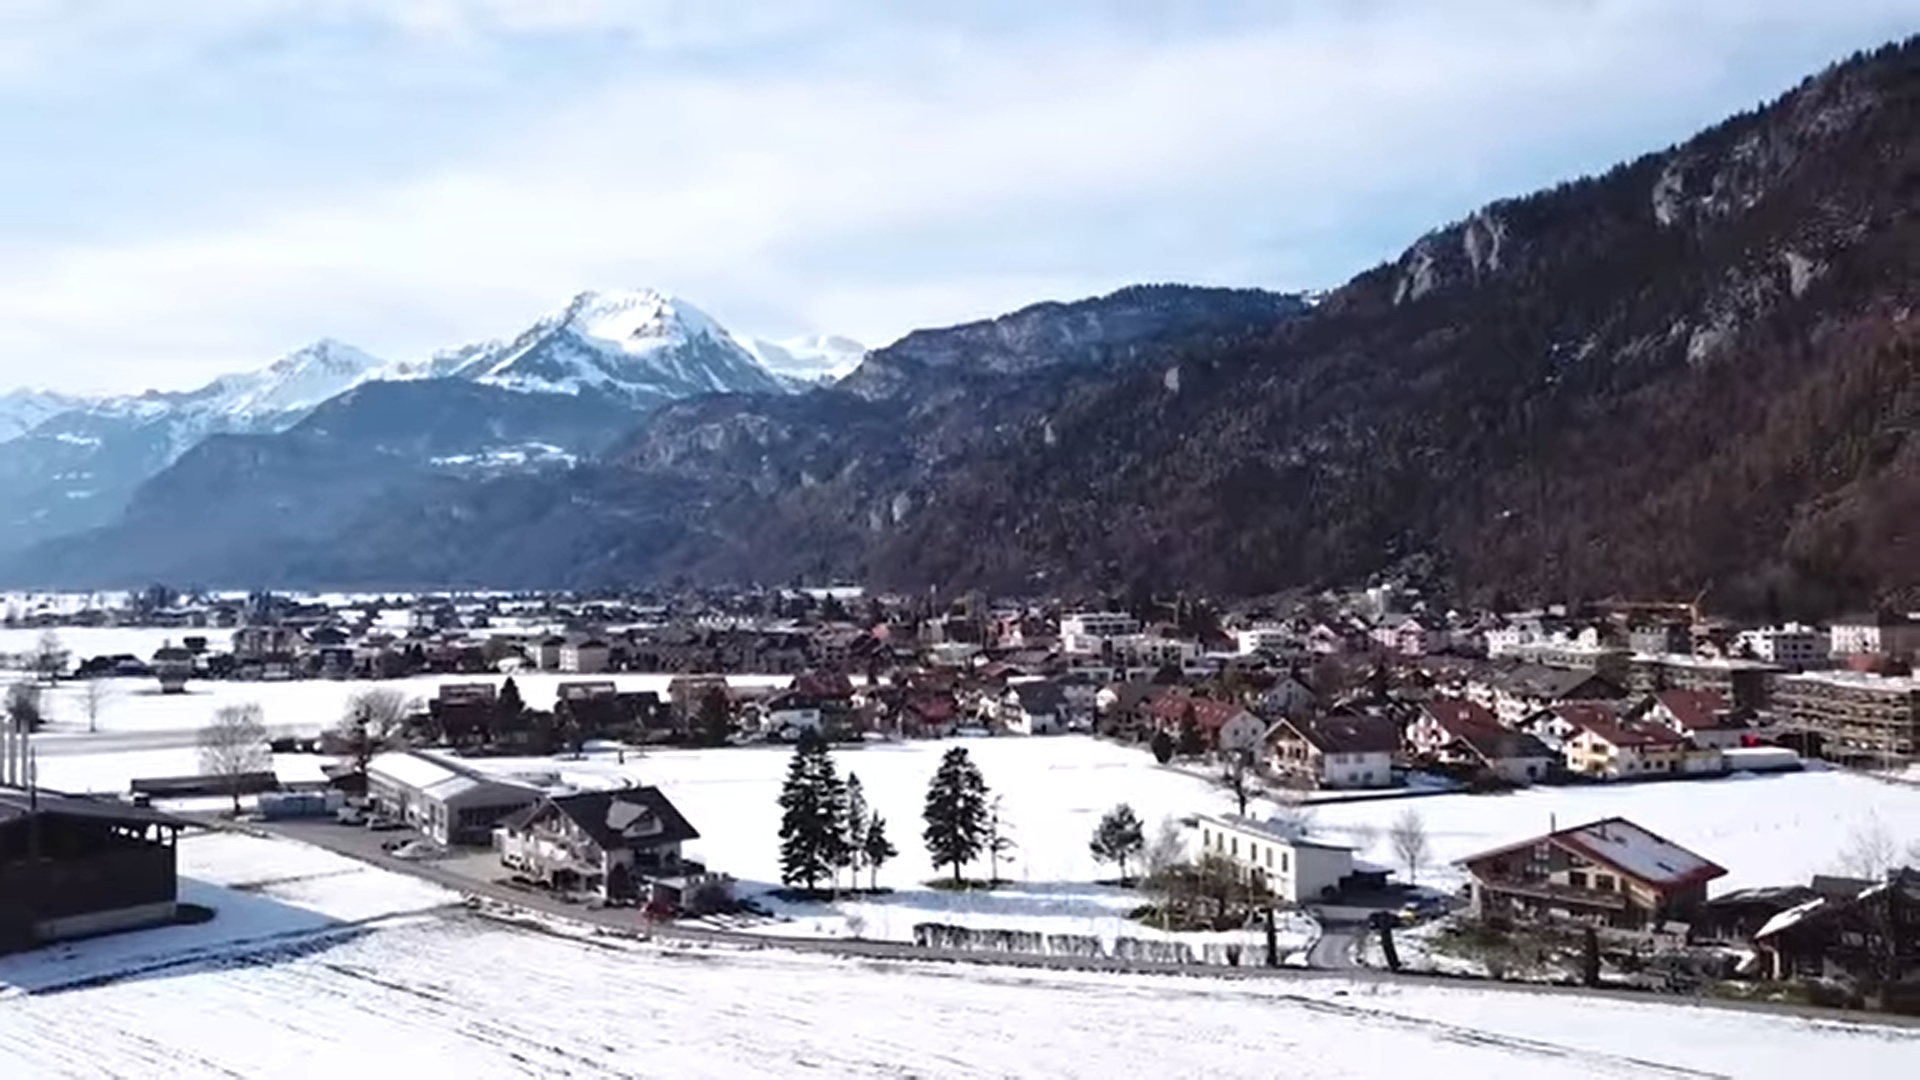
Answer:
(1702, 717)
(1085, 631)
(1294, 868)
(1262, 638)
(1875, 635)
(1242, 732)
(1033, 707)
(1338, 751)
(1791, 645)
(788, 714)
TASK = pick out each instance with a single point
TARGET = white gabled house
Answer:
(1283, 860)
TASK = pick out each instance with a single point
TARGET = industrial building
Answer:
(443, 797)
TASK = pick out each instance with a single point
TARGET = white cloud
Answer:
(900, 178)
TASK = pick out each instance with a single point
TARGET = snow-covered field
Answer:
(1765, 830)
(141, 732)
(317, 964)
(1769, 830)
(459, 996)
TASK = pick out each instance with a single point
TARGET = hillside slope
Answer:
(1695, 372)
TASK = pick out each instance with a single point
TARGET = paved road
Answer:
(359, 843)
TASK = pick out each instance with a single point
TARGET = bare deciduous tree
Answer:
(234, 745)
(49, 656)
(1870, 850)
(1409, 838)
(375, 720)
(1166, 850)
(95, 696)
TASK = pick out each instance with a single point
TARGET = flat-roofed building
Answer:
(1856, 714)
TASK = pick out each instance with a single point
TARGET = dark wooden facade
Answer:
(64, 861)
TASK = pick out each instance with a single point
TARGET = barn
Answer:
(74, 867)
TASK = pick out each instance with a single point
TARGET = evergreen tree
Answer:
(1163, 747)
(855, 818)
(877, 849)
(812, 833)
(509, 711)
(1118, 838)
(715, 720)
(956, 812)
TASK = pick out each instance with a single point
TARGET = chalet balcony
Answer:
(1548, 893)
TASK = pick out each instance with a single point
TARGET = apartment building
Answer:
(1857, 715)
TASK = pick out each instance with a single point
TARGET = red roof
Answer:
(1208, 714)
(1629, 849)
(1459, 717)
(1605, 724)
(1699, 710)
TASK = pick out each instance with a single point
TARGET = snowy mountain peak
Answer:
(640, 345)
(296, 382)
(638, 318)
(22, 410)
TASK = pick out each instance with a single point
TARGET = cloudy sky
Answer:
(198, 186)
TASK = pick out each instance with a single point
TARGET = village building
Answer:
(1088, 631)
(611, 843)
(1867, 934)
(75, 867)
(1857, 716)
(1747, 684)
(1610, 873)
(443, 797)
(1514, 693)
(173, 666)
(587, 656)
(1602, 743)
(1032, 707)
(1284, 861)
(1343, 750)
(1462, 733)
(1702, 717)
(1792, 645)
(1884, 635)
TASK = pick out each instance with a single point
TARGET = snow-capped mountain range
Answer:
(69, 463)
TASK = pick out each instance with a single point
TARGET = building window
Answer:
(1603, 882)
(1283, 863)
(1234, 847)
(1577, 879)
(1269, 856)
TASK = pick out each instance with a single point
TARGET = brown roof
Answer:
(1629, 849)
(1606, 724)
(1347, 733)
(1459, 717)
(1701, 710)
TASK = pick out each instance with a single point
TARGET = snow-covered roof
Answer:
(1282, 831)
(1626, 847)
(1640, 853)
(1789, 917)
(410, 768)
